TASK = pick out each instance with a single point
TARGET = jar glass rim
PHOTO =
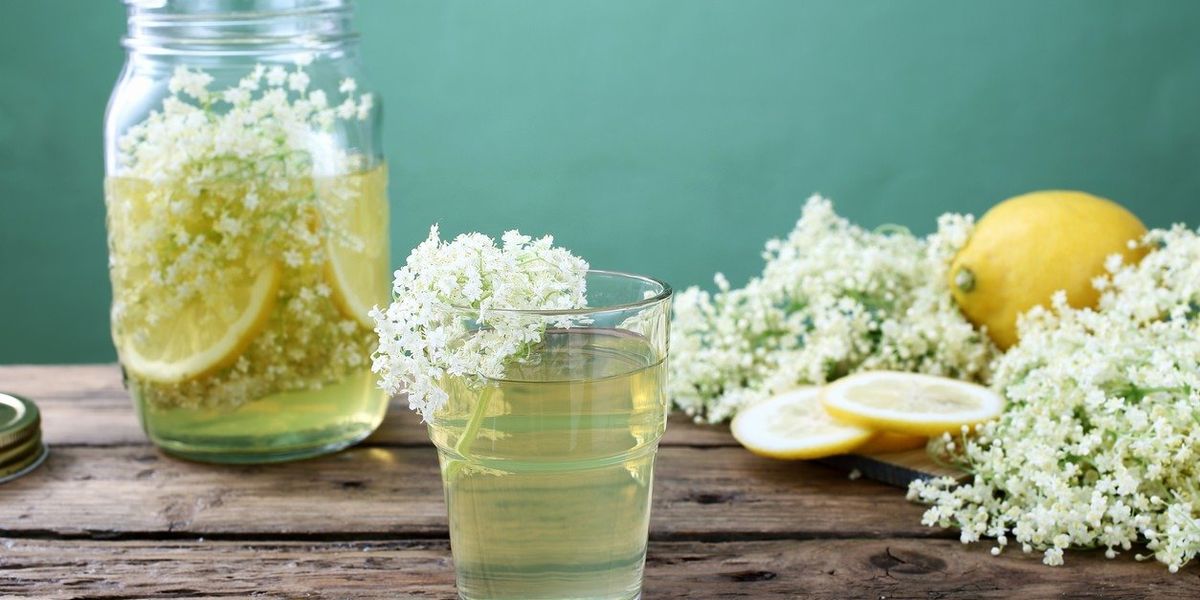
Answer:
(222, 27)
(219, 11)
(660, 291)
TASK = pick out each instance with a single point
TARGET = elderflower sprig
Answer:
(459, 310)
(833, 299)
(270, 125)
(1098, 446)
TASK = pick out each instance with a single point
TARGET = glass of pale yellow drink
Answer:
(548, 471)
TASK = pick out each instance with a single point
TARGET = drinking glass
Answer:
(548, 471)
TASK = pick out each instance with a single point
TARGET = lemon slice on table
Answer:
(357, 241)
(794, 425)
(910, 403)
(207, 333)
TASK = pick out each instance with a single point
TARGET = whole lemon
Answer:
(1028, 247)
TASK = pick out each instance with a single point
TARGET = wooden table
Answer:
(108, 516)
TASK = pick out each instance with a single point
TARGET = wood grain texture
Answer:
(108, 516)
(886, 568)
(86, 405)
(700, 493)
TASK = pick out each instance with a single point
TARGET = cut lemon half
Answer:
(357, 241)
(886, 441)
(910, 403)
(209, 332)
(794, 425)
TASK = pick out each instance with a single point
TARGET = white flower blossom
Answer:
(365, 104)
(276, 76)
(298, 81)
(451, 310)
(251, 82)
(190, 82)
(348, 109)
(317, 99)
(236, 96)
(833, 299)
(1098, 445)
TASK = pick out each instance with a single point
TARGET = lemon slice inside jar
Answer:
(209, 332)
(356, 215)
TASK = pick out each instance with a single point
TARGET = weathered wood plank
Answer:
(700, 493)
(86, 405)
(807, 530)
(886, 568)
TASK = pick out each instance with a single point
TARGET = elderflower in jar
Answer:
(247, 228)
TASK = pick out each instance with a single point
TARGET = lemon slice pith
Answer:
(358, 246)
(206, 334)
(794, 425)
(910, 403)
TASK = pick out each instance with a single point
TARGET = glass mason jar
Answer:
(247, 227)
(548, 472)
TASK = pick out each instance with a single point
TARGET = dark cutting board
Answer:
(895, 468)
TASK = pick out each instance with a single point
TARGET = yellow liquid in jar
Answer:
(278, 426)
(239, 311)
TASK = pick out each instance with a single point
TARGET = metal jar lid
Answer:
(21, 447)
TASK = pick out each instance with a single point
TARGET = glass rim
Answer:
(267, 27)
(166, 10)
(665, 291)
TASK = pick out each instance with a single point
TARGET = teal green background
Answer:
(670, 137)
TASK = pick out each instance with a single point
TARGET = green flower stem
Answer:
(463, 447)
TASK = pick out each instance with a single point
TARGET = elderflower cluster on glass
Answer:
(219, 187)
(833, 299)
(457, 311)
(1100, 441)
